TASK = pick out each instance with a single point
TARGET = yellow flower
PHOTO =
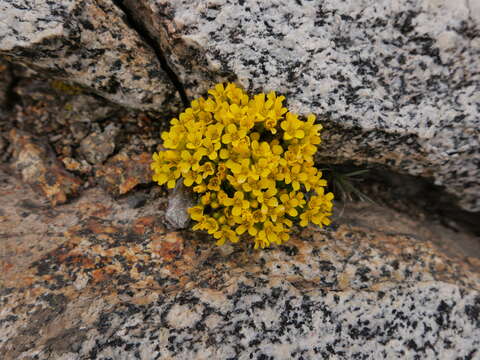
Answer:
(214, 133)
(266, 199)
(223, 199)
(250, 163)
(196, 212)
(239, 203)
(207, 169)
(295, 176)
(170, 178)
(214, 184)
(236, 95)
(206, 199)
(218, 93)
(251, 183)
(293, 127)
(200, 188)
(242, 149)
(246, 222)
(241, 170)
(291, 201)
(233, 135)
(247, 122)
(269, 234)
(258, 216)
(256, 108)
(260, 149)
(237, 114)
(174, 138)
(190, 161)
(224, 154)
(319, 208)
(166, 160)
(264, 167)
(191, 177)
(225, 233)
(207, 223)
(211, 106)
(185, 118)
(312, 130)
(221, 171)
(194, 139)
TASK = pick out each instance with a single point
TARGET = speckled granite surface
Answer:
(87, 42)
(398, 82)
(99, 279)
(393, 82)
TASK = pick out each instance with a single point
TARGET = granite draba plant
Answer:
(250, 161)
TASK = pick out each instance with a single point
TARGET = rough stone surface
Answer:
(124, 171)
(67, 102)
(59, 111)
(97, 279)
(82, 167)
(73, 122)
(90, 43)
(38, 166)
(179, 200)
(397, 82)
(5, 83)
(98, 146)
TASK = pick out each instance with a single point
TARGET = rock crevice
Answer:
(134, 23)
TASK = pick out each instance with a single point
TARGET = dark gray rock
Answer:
(5, 83)
(137, 200)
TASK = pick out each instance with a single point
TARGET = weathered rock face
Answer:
(87, 42)
(37, 165)
(397, 81)
(5, 82)
(180, 199)
(124, 171)
(100, 279)
(97, 147)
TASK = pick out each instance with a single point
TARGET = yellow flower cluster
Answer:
(251, 163)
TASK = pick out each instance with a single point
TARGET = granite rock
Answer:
(396, 82)
(98, 146)
(180, 200)
(100, 279)
(38, 166)
(76, 124)
(51, 107)
(90, 43)
(81, 109)
(123, 172)
(82, 167)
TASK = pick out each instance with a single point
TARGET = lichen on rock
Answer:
(38, 166)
